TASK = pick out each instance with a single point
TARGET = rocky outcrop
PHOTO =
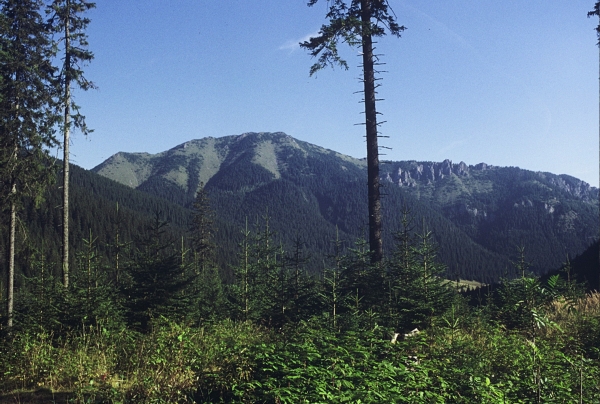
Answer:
(413, 174)
(427, 172)
(462, 169)
(574, 187)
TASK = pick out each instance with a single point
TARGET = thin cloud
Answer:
(443, 152)
(294, 44)
(442, 28)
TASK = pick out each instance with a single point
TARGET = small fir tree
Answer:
(156, 283)
(208, 291)
(418, 292)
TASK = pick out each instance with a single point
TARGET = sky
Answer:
(508, 83)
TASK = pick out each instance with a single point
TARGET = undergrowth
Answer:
(470, 358)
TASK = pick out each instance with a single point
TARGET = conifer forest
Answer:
(169, 295)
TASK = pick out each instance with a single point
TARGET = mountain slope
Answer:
(98, 207)
(552, 216)
(479, 214)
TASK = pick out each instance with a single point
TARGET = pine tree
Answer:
(257, 294)
(27, 113)
(66, 20)
(157, 282)
(208, 290)
(418, 292)
(357, 24)
(202, 230)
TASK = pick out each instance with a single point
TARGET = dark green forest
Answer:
(257, 283)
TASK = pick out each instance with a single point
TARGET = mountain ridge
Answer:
(428, 171)
(488, 208)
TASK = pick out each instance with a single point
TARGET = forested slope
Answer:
(94, 213)
(310, 197)
(479, 214)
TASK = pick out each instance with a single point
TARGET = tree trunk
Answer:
(375, 241)
(67, 122)
(12, 242)
(11, 259)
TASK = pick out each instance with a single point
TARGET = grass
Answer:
(94, 364)
(178, 363)
(122, 170)
(265, 156)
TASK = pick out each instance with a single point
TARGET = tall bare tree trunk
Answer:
(11, 259)
(66, 140)
(375, 241)
(12, 241)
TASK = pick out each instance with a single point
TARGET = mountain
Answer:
(479, 214)
(552, 216)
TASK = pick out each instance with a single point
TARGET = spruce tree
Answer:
(202, 230)
(66, 20)
(331, 295)
(156, 282)
(267, 261)
(208, 290)
(357, 24)
(118, 246)
(302, 288)
(241, 296)
(418, 292)
(361, 287)
(27, 113)
(400, 270)
(257, 294)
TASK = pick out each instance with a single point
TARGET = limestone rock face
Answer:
(572, 186)
(446, 168)
(413, 174)
(462, 169)
(429, 172)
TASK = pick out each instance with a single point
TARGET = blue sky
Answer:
(508, 83)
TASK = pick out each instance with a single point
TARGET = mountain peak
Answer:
(199, 160)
